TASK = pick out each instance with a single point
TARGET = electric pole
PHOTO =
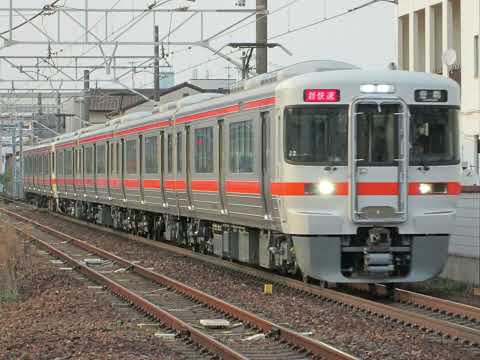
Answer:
(20, 167)
(156, 65)
(262, 36)
(85, 112)
(14, 170)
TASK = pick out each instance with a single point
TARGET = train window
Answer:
(377, 134)
(131, 152)
(68, 162)
(151, 155)
(179, 151)
(170, 153)
(316, 135)
(242, 148)
(60, 163)
(204, 150)
(79, 161)
(45, 171)
(88, 151)
(100, 154)
(118, 159)
(434, 135)
(112, 158)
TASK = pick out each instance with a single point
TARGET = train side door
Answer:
(265, 119)
(188, 169)
(162, 167)
(141, 168)
(122, 172)
(221, 163)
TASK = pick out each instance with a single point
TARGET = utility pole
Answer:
(59, 119)
(14, 154)
(262, 36)
(85, 107)
(156, 65)
(20, 167)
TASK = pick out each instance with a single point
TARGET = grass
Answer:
(13, 261)
(444, 286)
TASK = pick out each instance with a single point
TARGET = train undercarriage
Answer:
(257, 247)
(374, 253)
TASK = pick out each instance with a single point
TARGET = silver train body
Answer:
(342, 174)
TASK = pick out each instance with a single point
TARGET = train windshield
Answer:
(316, 135)
(433, 135)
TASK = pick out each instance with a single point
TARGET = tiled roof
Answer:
(113, 100)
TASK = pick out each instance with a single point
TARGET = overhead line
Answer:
(45, 8)
(344, 13)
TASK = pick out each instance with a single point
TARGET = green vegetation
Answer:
(9, 261)
(6, 179)
(443, 286)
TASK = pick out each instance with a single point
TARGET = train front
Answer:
(376, 156)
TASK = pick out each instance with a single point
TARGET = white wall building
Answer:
(426, 30)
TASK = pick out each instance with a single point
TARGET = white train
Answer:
(342, 174)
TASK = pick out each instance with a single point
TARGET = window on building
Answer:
(179, 151)
(88, 160)
(242, 149)
(170, 153)
(204, 150)
(131, 153)
(100, 153)
(151, 155)
(68, 162)
(476, 55)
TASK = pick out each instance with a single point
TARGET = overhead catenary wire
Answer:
(325, 19)
(152, 6)
(47, 8)
(303, 27)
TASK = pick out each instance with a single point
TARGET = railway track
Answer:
(177, 305)
(432, 315)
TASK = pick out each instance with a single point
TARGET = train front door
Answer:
(378, 160)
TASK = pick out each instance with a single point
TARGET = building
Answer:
(105, 104)
(442, 37)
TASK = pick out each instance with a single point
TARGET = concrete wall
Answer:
(426, 29)
(464, 253)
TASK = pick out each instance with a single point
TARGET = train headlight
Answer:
(377, 89)
(425, 189)
(326, 187)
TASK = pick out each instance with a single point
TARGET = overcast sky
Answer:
(365, 38)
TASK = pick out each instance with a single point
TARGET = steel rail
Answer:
(446, 328)
(315, 347)
(140, 303)
(427, 302)
(423, 322)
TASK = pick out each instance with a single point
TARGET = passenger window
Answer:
(60, 163)
(170, 153)
(119, 159)
(242, 147)
(88, 160)
(204, 150)
(131, 157)
(100, 149)
(179, 152)
(151, 155)
(112, 158)
(68, 162)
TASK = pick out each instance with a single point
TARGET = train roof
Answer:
(349, 81)
(303, 75)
